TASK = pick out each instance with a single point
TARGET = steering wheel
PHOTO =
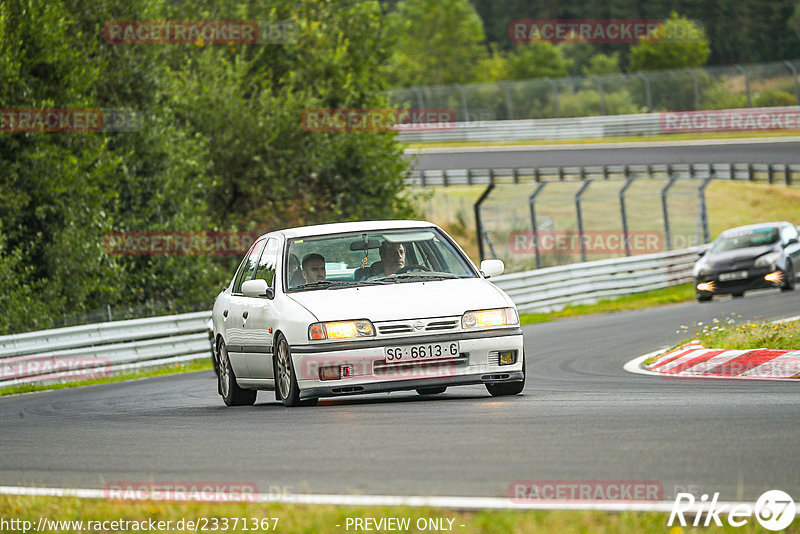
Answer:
(408, 268)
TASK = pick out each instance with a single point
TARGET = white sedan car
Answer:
(363, 307)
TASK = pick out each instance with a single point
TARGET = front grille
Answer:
(395, 329)
(412, 326)
(441, 325)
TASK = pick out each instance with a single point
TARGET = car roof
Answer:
(756, 226)
(357, 226)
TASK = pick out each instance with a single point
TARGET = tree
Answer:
(435, 42)
(677, 44)
(536, 60)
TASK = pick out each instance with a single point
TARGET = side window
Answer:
(269, 259)
(248, 266)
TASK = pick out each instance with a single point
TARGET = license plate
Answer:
(423, 351)
(736, 275)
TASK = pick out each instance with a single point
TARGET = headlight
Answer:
(489, 318)
(701, 268)
(341, 330)
(768, 260)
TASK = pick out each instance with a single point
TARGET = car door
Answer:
(236, 313)
(260, 322)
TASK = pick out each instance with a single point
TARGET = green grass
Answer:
(750, 335)
(171, 369)
(625, 139)
(647, 299)
(323, 519)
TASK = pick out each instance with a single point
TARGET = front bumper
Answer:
(477, 363)
(754, 280)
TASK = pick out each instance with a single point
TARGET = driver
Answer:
(393, 257)
(313, 268)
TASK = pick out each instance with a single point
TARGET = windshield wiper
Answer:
(411, 277)
(324, 284)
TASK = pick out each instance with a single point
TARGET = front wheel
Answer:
(510, 388)
(285, 379)
(704, 298)
(789, 280)
(231, 393)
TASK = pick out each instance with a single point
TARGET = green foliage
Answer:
(677, 44)
(587, 103)
(773, 97)
(220, 146)
(602, 64)
(434, 42)
(536, 60)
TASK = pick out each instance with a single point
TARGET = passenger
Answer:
(313, 268)
(393, 257)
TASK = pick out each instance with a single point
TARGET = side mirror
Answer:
(491, 268)
(701, 253)
(257, 288)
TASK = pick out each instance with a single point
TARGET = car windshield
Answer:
(745, 238)
(373, 258)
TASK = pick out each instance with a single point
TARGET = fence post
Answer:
(665, 209)
(464, 108)
(624, 213)
(556, 99)
(420, 98)
(746, 84)
(534, 226)
(578, 195)
(478, 222)
(793, 70)
(703, 211)
(696, 89)
(647, 92)
(509, 105)
(602, 94)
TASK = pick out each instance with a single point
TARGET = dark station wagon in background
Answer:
(756, 256)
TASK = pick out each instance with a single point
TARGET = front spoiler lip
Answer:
(404, 385)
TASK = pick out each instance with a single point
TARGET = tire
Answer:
(704, 298)
(286, 388)
(738, 295)
(231, 393)
(789, 280)
(511, 388)
(433, 390)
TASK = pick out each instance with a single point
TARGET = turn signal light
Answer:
(705, 286)
(774, 277)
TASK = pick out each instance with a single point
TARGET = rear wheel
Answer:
(431, 390)
(789, 280)
(510, 388)
(231, 393)
(286, 387)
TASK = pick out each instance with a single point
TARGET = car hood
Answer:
(737, 255)
(407, 300)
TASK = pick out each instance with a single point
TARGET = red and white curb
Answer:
(694, 360)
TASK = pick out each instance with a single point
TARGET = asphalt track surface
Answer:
(581, 417)
(710, 151)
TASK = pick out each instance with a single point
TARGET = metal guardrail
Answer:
(565, 128)
(101, 349)
(772, 173)
(553, 288)
(86, 351)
